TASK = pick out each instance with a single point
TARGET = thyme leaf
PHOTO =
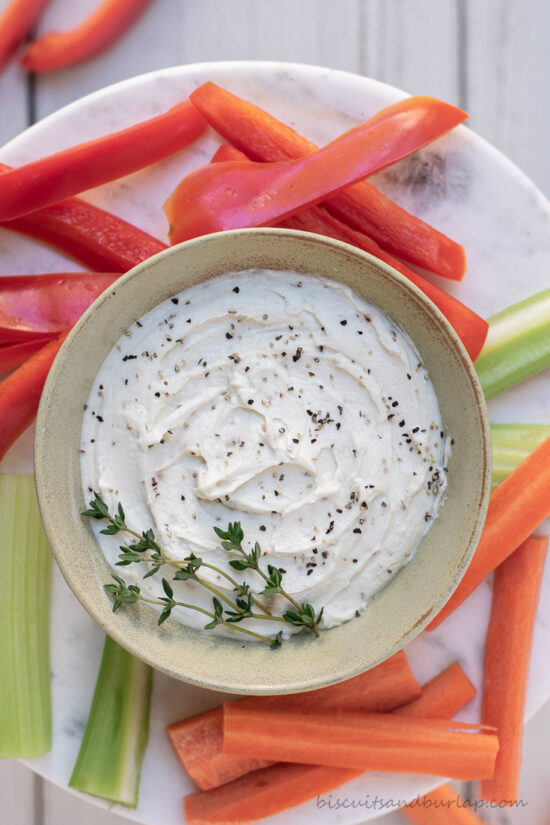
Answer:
(145, 548)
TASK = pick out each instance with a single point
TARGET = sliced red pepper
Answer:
(471, 328)
(98, 239)
(20, 393)
(66, 173)
(234, 194)
(13, 355)
(34, 305)
(262, 137)
(16, 22)
(55, 50)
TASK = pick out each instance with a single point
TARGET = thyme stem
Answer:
(241, 607)
(236, 585)
(211, 615)
(255, 566)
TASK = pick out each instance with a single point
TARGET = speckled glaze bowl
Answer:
(402, 608)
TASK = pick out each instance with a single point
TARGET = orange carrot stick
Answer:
(443, 806)
(278, 787)
(384, 687)
(262, 793)
(442, 696)
(509, 638)
(362, 206)
(371, 741)
(516, 508)
(198, 740)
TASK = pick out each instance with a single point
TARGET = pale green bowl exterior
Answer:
(402, 608)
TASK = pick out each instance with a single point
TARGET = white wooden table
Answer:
(489, 56)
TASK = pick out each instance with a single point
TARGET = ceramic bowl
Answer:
(402, 608)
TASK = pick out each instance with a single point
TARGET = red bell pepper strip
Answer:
(13, 355)
(98, 239)
(471, 328)
(362, 206)
(20, 393)
(235, 194)
(53, 178)
(16, 21)
(32, 305)
(55, 50)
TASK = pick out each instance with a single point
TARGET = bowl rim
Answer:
(42, 477)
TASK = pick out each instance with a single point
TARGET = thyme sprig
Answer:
(130, 594)
(232, 539)
(147, 549)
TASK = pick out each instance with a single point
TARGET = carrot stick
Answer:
(262, 793)
(443, 806)
(371, 741)
(281, 783)
(442, 696)
(516, 508)
(509, 639)
(470, 327)
(198, 740)
(384, 687)
(262, 137)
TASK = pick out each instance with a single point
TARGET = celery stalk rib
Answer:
(112, 750)
(512, 443)
(517, 346)
(25, 578)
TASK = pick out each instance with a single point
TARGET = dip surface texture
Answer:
(286, 402)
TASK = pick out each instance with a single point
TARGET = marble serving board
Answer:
(461, 185)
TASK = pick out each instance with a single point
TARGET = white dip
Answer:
(286, 402)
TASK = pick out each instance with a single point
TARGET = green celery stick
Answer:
(25, 576)
(512, 443)
(112, 750)
(524, 437)
(517, 346)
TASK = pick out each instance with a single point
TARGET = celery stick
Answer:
(517, 346)
(512, 443)
(526, 437)
(25, 573)
(112, 750)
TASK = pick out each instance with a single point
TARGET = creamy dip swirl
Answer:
(286, 402)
